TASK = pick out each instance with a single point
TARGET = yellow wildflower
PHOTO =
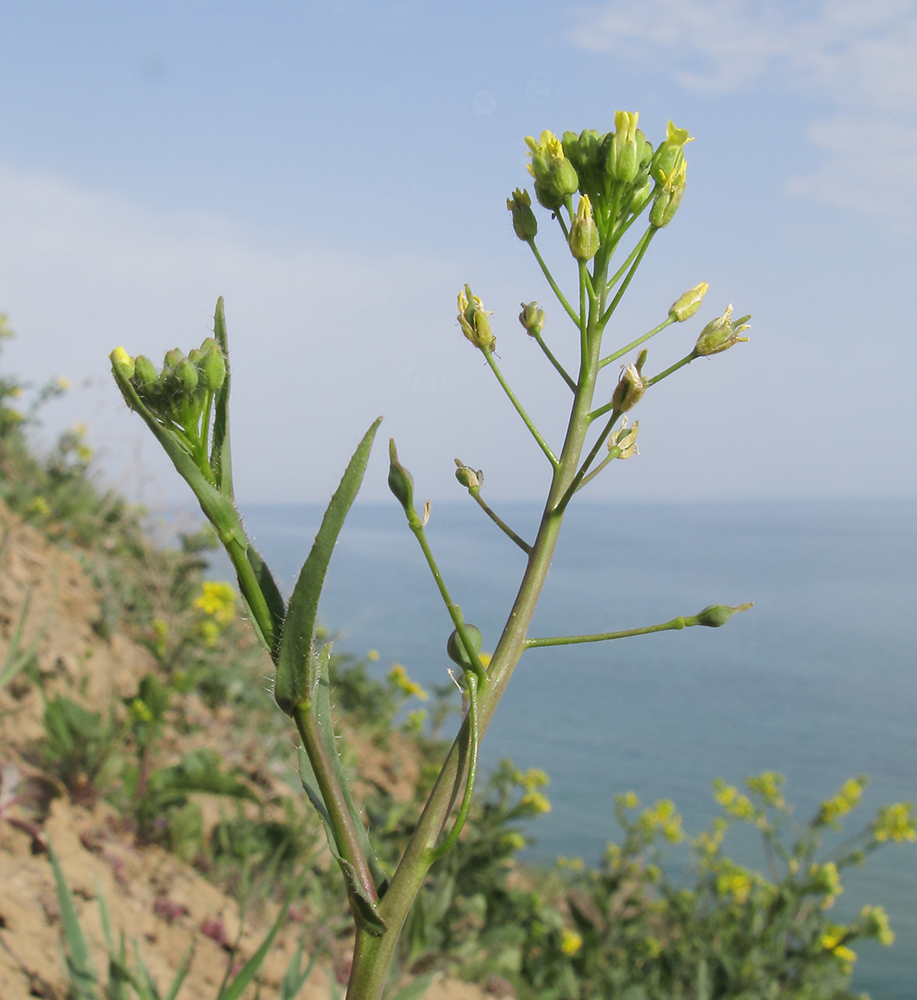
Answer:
(896, 822)
(217, 600)
(570, 942)
(398, 676)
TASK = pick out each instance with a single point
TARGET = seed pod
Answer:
(456, 648)
(532, 318)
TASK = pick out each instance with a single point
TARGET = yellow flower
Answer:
(534, 777)
(896, 822)
(399, 677)
(39, 506)
(535, 802)
(372, 655)
(217, 600)
(570, 942)
(877, 925)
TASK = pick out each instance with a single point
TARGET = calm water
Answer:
(818, 681)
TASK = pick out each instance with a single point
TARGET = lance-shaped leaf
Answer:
(296, 660)
(235, 989)
(220, 457)
(84, 981)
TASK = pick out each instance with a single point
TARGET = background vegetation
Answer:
(632, 928)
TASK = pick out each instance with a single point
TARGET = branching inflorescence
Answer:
(595, 187)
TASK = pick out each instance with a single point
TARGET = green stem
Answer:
(674, 368)
(342, 823)
(668, 321)
(583, 315)
(630, 257)
(644, 246)
(560, 368)
(526, 419)
(607, 460)
(571, 312)
(472, 752)
(454, 613)
(569, 640)
(475, 492)
(590, 458)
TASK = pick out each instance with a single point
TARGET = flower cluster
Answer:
(398, 678)
(180, 394)
(617, 175)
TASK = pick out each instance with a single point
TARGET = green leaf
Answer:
(415, 989)
(16, 659)
(321, 711)
(294, 980)
(199, 771)
(295, 660)
(83, 978)
(220, 455)
(251, 968)
(180, 973)
(269, 589)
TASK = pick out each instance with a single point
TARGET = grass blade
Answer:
(83, 977)
(251, 968)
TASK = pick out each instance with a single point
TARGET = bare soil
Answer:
(162, 906)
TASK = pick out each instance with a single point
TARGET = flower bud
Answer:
(687, 305)
(456, 648)
(720, 334)
(670, 154)
(668, 196)
(640, 198)
(624, 155)
(173, 357)
(532, 318)
(212, 367)
(584, 234)
(715, 615)
(400, 481)
(145, 375)
(122, 363)
(631, 386)
(525, 225)
(186, 377)
(623, 443)
(473, 320)
(470, 479)
(555, 176)
(587, 154)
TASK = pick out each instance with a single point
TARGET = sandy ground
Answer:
(161, 905)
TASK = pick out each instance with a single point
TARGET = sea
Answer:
(818, 681)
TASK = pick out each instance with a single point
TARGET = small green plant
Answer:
(596, 188)
(729, 930)
(19, 659)
(78, 746)
(126, 979)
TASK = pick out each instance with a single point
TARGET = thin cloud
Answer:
(858, 55)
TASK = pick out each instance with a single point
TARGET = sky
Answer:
(338, 170)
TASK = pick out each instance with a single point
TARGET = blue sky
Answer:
(338, 170)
